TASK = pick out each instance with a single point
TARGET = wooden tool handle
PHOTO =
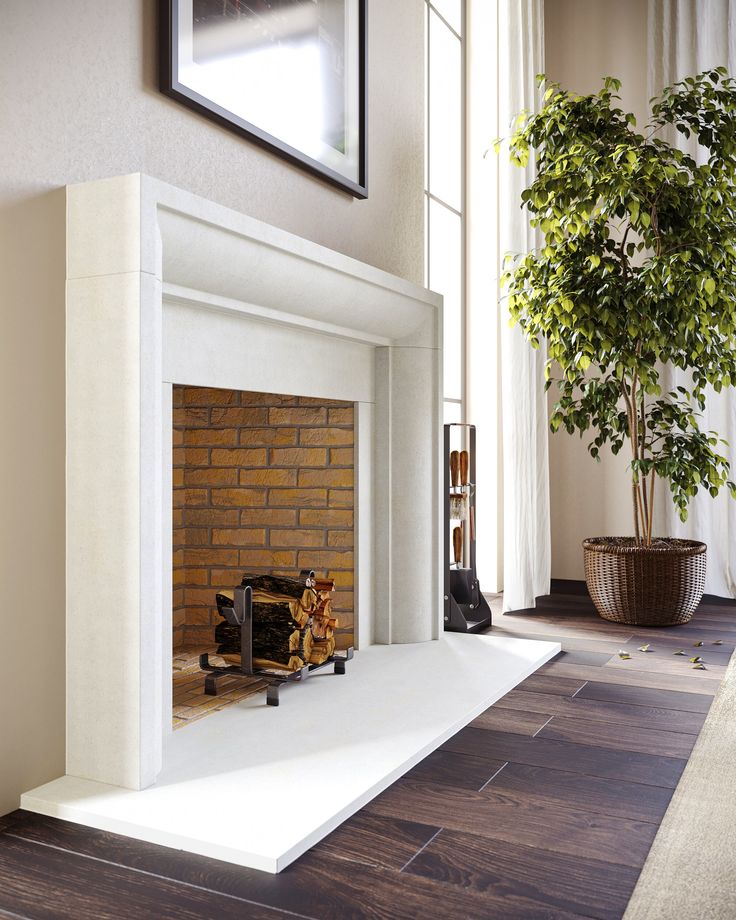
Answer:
(455, 467)
(464, 466)
(457, 544)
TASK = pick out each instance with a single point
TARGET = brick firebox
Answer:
(262, 483)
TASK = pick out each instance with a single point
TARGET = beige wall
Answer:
(80, 102)
(586, 40)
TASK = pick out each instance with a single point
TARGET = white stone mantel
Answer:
(152, 271)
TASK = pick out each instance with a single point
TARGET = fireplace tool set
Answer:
(276, 629)
(466, 610)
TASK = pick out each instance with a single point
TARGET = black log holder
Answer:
(241, 615)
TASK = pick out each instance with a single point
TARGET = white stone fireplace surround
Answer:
(163, 288)
(167, 288)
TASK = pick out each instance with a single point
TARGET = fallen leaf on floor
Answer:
(645, 648)
(718, 642)
(699, 667)
(696, 660)
(697, 644)
(679, 652)
(623, 655)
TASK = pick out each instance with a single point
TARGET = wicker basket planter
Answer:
(657, 585)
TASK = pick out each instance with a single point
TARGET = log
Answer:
(274, 584)
(281, 640)
(322, 649)
(323, 623)
(292, 624)
(282, 606)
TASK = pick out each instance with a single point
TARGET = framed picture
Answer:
(287, 74)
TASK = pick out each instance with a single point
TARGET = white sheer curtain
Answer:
(526, 529)
(685, 38)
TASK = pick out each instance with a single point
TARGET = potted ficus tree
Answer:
(637, 271)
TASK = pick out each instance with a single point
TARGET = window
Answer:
(445, 186)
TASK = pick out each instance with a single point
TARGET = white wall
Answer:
(80, 101)
(586, 40)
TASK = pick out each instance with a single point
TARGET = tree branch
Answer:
(642, 449)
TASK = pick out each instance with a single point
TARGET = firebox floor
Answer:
(189, 700)
(257, 785)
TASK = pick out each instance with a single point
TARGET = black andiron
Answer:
(241, 615)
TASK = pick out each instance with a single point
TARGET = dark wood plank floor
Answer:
(544, 807)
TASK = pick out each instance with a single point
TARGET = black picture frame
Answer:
(171, 84)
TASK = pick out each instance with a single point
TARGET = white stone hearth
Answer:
(167, 288)
(237, 785)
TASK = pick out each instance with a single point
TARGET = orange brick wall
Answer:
(262, 483)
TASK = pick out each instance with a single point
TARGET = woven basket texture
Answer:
(657, 585)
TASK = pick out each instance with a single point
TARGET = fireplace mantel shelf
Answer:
(200, 249)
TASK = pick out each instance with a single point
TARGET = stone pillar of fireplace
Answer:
(133, 245)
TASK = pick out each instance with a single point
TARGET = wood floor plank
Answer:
(511, 720)
(616, 798)
(40, 881)
(645, 696)
(600, 711)
(715, 606)
(665, 648)
(635, 678)
(662, 645)
(592, 643)
(590, 887)
(699, 628)
(619, 737)
(582, 656)
(631, 766)
(518, 819)
(451, 769)
(681, 668)
(314, 887)
(375, 894)
(558, 625)
(586, 624)
(547, 683)
(374, 840)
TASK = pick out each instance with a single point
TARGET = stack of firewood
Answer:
(292, 627)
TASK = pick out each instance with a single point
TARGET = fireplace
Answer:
(165, 289)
